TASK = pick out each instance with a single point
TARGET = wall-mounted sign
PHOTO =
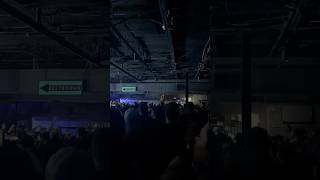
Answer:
(129, 89)
(61, 88)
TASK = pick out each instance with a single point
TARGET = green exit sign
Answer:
(129, 89)
(62, 88)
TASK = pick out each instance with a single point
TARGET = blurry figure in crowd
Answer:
(83, 140)
(133, 123)
(108, 155)
(3, 126)
(70, 164)
(172, 113)
(143, 110)
(2, 133)
(117, 122)
(16, 164)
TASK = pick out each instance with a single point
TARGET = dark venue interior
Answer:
(159, 89)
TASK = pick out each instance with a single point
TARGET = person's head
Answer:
(45, 136)
(101, 148)
(172, 112)
(299, 134)
(189, 108)
(160, 114)
(3, 126)
(239, 139)
(43, 130)
(133, 122)
(82, 132)
(117, 121)
(70, 164)
(68, 136)
(143, 109)
(259, 140)
(192, 122)
(15, 164)
(26, 140)
(151, 113)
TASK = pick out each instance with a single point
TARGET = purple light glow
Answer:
(128, 101)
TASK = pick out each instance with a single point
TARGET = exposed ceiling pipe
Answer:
(289, 25)
(116, 31)
(15, 12)
(125, 72)
(204, 58)
(169, 35)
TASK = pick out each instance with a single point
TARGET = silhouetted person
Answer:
(83, 140)
(15, 164)
(174, 134)
(117, 123)
(133, 124)
(70, 164)
(109, 155)
(254, 161)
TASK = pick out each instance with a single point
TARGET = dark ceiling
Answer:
(201, 35)
(159, 39)
(82, 23)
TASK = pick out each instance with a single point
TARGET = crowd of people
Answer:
(157, 142)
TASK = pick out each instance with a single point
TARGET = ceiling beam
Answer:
(290, 25)
(126, 42)
(15, 12)
(168, 33)
(68, 3)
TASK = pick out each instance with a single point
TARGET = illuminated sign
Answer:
(63, 88)
(129, 89)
